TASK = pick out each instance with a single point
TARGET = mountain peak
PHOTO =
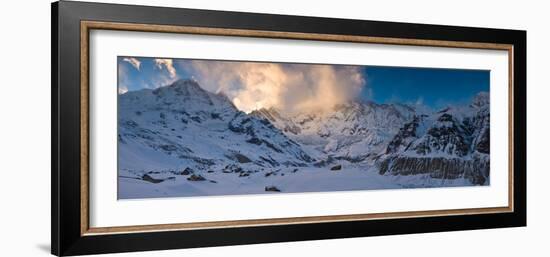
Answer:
(481, 99)
(187, 88)
(186, 83)
(181, 86)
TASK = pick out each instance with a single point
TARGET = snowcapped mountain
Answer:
(183, 126)
(355, 132)
(185, 134)
(450, 144)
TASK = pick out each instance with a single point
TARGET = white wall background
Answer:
(25, 127)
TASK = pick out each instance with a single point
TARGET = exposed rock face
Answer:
(483, 143)
(261, 132)
(450, 144)
(475, 170)
(405, 136)
(446, 136)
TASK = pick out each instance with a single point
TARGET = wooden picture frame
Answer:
(71, 26)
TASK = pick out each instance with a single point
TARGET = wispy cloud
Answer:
(133, 61)
(419, 101)
(123, 79)
(122, 89)
(168, 64)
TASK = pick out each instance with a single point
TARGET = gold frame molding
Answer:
(86, 26)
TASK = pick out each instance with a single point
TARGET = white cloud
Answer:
(123, 79)
(122, 89)
(287, 86)
(168, 64)
(133, 61)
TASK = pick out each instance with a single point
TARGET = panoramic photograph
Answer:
(190, 127)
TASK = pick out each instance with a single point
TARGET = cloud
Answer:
(123, 79)
(133, 61)
(419, 101)
(122, 89)
(168, 64)
(291, 87)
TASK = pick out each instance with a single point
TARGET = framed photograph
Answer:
(178, 128)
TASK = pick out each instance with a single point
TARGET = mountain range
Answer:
(184, 130)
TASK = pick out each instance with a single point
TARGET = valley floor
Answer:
(132, 185)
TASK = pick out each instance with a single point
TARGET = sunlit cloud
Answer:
(168, 64)
(292, 87)
(133, 61)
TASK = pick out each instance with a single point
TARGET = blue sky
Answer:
(432, 87)
(252, 84)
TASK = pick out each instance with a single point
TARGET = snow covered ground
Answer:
(132, 186)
